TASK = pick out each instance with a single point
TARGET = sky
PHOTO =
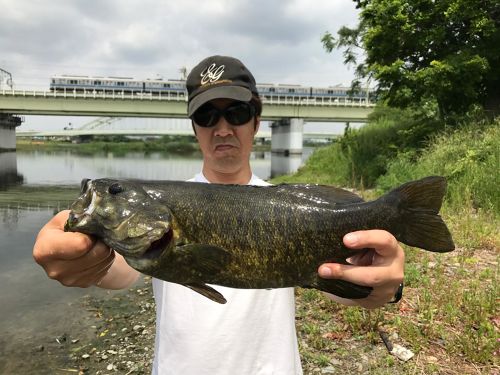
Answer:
(278, 40)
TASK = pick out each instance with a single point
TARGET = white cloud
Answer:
(278, 40)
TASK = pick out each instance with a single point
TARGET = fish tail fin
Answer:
(419, 222)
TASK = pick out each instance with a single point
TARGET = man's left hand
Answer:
(382, 268)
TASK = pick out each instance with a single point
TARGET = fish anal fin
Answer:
(341, 288)
(208, 292)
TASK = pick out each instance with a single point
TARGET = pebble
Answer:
(328, 370)
(336, 362)
(85, 356)
(137, 327)
(110, 367)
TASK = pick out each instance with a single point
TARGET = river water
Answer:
(33, 308)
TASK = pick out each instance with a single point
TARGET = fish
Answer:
(251, 237)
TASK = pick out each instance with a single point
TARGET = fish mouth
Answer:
(156, 249)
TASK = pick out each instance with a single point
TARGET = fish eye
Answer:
(115, 188)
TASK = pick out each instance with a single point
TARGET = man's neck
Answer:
(242, 177)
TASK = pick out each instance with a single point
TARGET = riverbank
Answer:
(115, 334)
(186, 145)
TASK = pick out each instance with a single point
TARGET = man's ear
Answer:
(256, 125)
(194, 129)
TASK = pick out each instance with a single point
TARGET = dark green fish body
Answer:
(251, 236)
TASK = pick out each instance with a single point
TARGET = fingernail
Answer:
(351, 238)
(325, 272)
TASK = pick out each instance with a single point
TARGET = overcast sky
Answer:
(278, 40)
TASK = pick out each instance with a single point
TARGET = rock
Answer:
(85, 356)
(336, 362)
(61, 339)
(328, 370)
(402, 353)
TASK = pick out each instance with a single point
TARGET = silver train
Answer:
(177, 88)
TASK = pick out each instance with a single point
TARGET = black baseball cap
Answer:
(219, 77)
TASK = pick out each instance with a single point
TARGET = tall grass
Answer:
(449, 312)
(469, 159)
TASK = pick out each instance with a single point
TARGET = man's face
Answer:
(226, 148)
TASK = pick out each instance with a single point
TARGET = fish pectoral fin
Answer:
(205, 259)
(208, 292)
(341, 288)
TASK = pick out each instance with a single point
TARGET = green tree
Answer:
(442, 55)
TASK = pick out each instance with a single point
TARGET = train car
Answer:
(95, 83)
(67, 83)
(176, 87)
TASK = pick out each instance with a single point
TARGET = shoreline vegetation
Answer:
(448, 317)
(183, 145)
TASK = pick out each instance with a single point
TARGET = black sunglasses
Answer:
(238, 113)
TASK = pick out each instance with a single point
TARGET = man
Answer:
(254, 333)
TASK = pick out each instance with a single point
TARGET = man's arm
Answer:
(382, 268)
(75, 259)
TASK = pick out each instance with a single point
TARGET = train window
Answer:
(166, 85)
(97, 83)
(272, 89)
(330, 91)
(291, 90)
(120, 83)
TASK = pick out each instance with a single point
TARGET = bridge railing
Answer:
(330, 101)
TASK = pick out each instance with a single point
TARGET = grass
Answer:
(449, 315)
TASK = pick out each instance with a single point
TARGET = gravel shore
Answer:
(101, 335)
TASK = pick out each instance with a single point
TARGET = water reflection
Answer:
(9, 219)
(63, 168)
(285, 164)
(8, 170)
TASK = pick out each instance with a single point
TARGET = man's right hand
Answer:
(73, 259)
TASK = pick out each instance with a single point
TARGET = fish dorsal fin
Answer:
(208, 292)
(320, 194)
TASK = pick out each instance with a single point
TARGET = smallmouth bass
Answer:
(244, 236)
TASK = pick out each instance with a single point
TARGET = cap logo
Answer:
(211, 73)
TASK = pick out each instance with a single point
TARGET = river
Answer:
(34, 310)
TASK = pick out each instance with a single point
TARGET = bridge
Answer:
(122, 104)
(287, 113)
(165, 130)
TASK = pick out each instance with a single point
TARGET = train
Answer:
(177, 88)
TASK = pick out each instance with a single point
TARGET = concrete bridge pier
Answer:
(287, 136)
(8, 125)
(8, 170)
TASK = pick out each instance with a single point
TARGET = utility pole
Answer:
(183, 71)
(6, 77)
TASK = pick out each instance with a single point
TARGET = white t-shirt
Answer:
(252, 334)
